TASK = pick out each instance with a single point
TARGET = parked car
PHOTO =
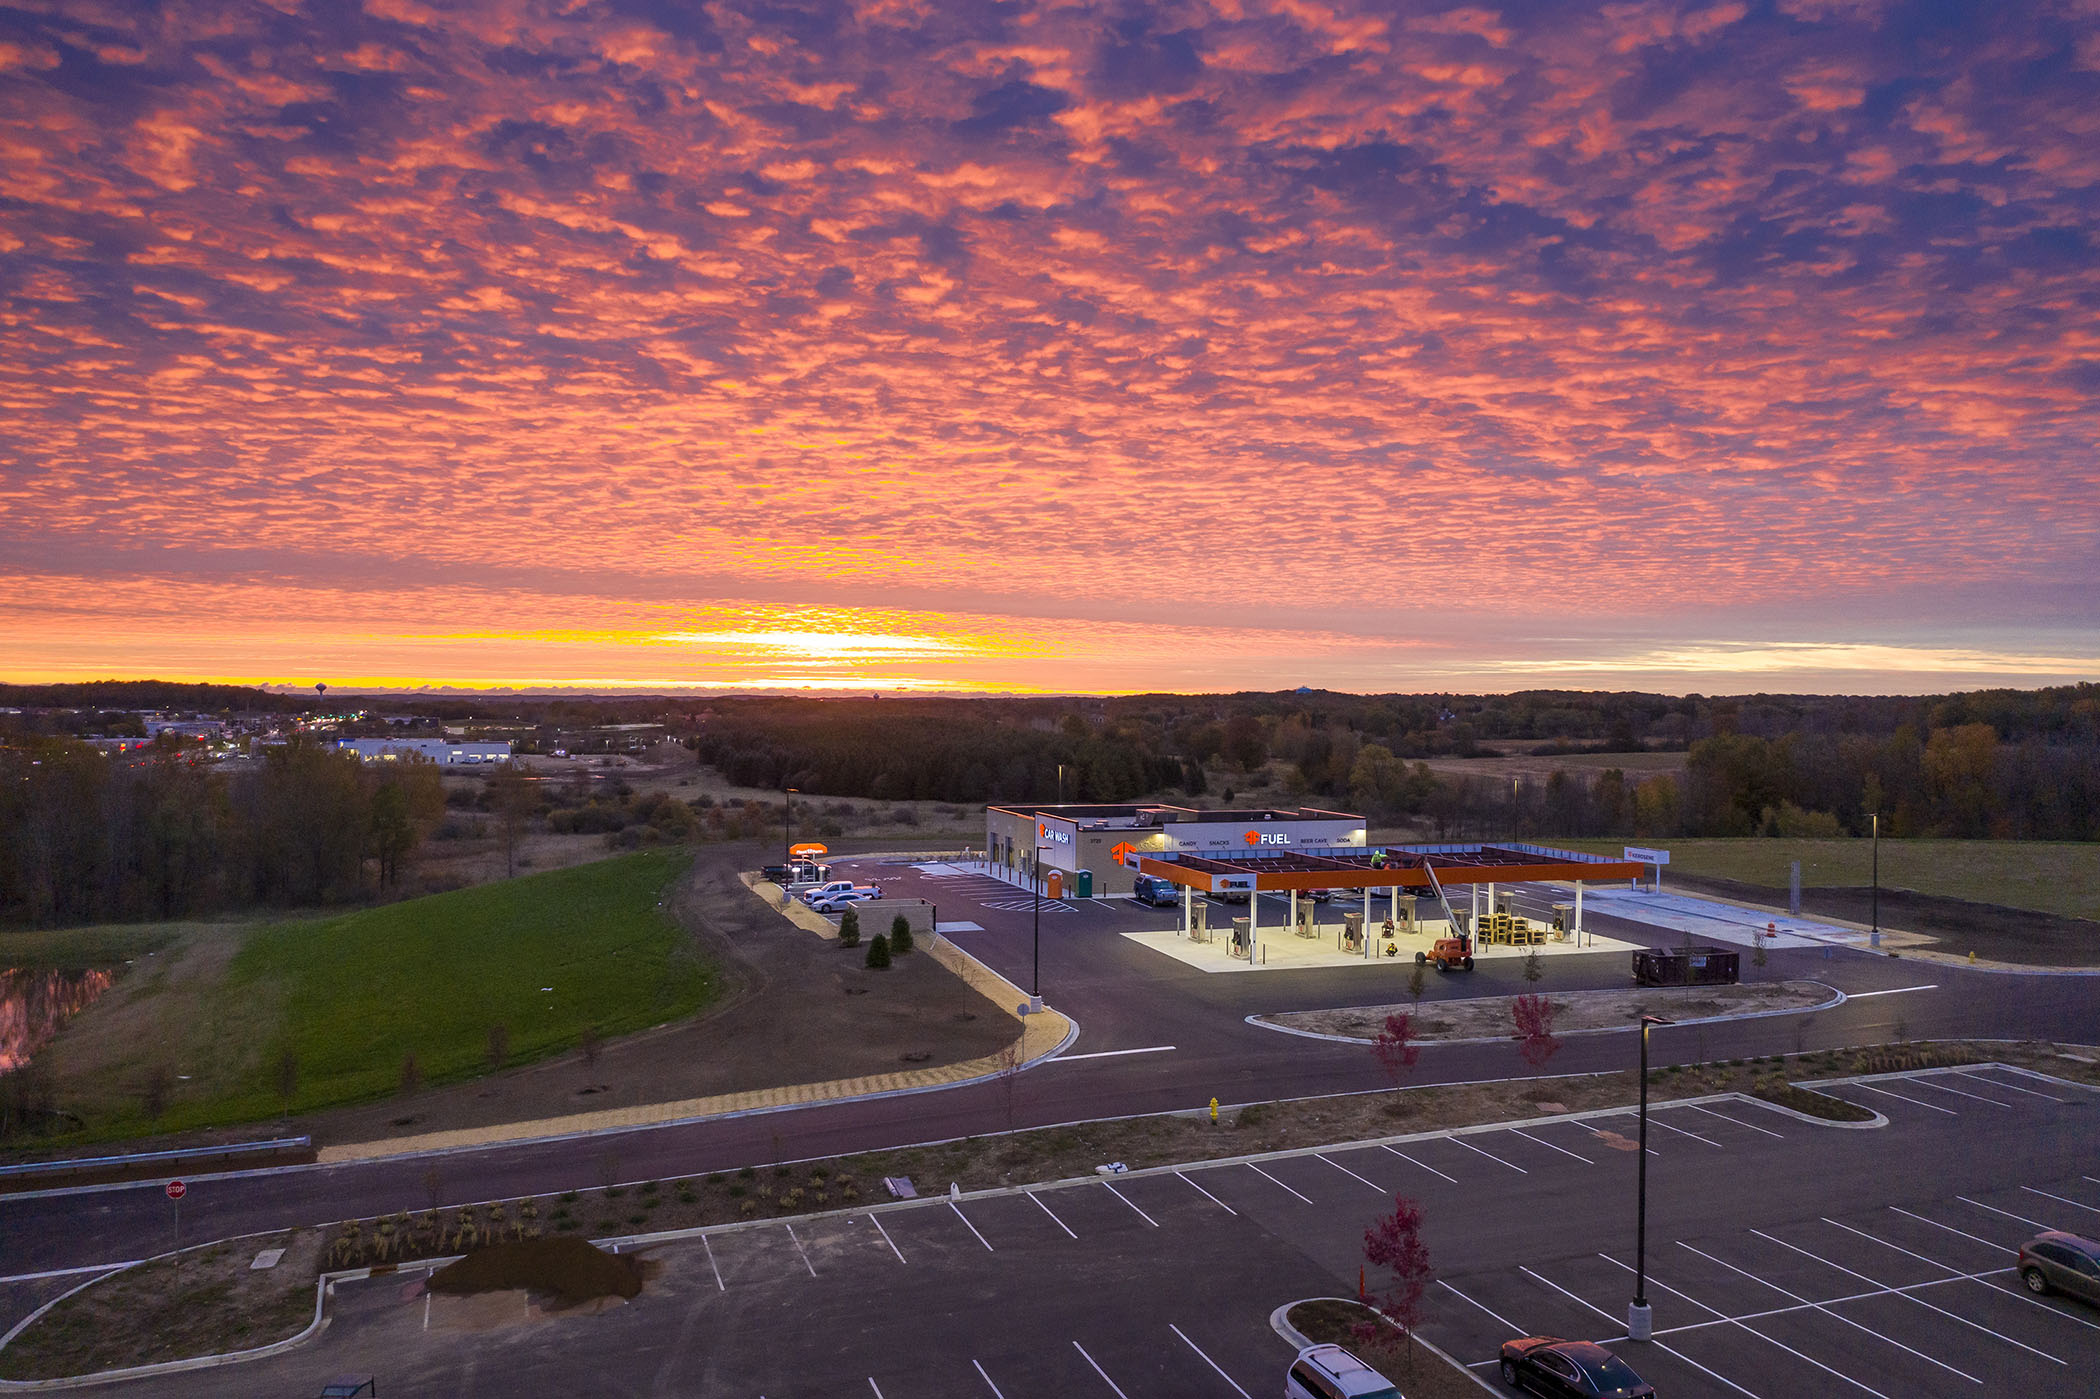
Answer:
(2060, 1262)
(798, 873)
(845, 899)
(1319, 896)
(1151, 889)
(1569, 1370)
(825, 891)
(1329, 1372)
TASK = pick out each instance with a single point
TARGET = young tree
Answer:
(499, 1045)
(1395, 1046)
(849, 929)
(510, 797)
(1534, 965)
(1534, 1017)
(879, 952)
(1394, 1244)
(411, 1072)
(1418, 981)
(153, 1097)
(900, 934)
(287, 1079)
(588, 1044)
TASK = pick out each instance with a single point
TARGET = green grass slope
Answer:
(546, 957)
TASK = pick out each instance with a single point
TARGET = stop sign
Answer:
(176, 1190)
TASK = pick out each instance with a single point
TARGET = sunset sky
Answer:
(929, 344)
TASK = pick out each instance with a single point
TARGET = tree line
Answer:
(87, 837)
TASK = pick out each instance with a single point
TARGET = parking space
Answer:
(1908, 1288)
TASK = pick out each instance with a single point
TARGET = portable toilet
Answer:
(1085, 885)
(1056, 885)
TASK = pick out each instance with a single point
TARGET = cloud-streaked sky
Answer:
(1059, 346)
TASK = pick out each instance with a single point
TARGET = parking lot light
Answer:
(1640, 1318)
(1035, 973)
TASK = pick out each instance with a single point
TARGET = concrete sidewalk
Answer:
(1042, 1035)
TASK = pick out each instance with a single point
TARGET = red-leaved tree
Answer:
(1394, 1245)
(1395, 1045)
(1534, 1016)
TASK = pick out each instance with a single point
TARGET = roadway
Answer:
(1124, 997)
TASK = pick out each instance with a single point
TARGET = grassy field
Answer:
(77, 949)
(351, 996)
(2047, 876)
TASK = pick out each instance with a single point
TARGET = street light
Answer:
(1640, 1318)
(787, 832)
(1874, 938)
(1035, 975)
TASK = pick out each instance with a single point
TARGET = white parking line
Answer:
(1520, 1132)
(1595, 1132)
(1736, 1120)
(1207, 1195)
(971, 1227)
(1127, 1200)
(1351, 1174)
(1099, 1371)
(1818, 1306)
(874, 1386)
(1721, 1316)
(1666, 1350)
(876, 1220)
(1987, 1243)
(2007, 1213)
(1682, 1132)
(1208, 1361)
(720, 1286)
(1892, 991)
(1871, 1088)
(805, 1254)
(1266, 1176)
(988, 1381)
(2061, 1199)
(2013, 1087)
(1412, 1162)
(1506, 1323)
(1052, 1213)
(1113, 1053)
(1957, 1275)
(1875, 1282)
(69, 1272)
(1933, 1081)
(1459, 1141)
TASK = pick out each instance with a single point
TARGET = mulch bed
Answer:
(573, 1270)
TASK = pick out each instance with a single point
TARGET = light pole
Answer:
(787, 832)
(1035, 974)
(1640, 1318)
(1513, 782)
(1874, 937)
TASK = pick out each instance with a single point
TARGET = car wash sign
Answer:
(1053, 833)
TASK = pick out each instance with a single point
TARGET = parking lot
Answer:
(1785, 1257)
(1912, 1293)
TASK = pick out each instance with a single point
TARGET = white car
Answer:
(825, 891)
(1329, 1372)
(845, 899)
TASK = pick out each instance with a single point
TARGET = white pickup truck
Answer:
(827, 898)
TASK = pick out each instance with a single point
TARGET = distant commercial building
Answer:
(430, 750)
(1106, 841)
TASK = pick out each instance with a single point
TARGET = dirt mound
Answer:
(574, 1270)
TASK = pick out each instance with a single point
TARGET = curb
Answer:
(1279, 1322)
(1262, 1024)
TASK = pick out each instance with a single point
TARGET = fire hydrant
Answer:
(1213, 1112)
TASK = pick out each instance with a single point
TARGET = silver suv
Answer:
(2060, 1262)
(1329, 1372)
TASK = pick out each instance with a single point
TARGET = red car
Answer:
(1574, 1369)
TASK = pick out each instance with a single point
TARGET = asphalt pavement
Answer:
(1124, 997)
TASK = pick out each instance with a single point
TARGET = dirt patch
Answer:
(1378, 1343)
(571, 1270)
(1489, 1017)
(1958, 926)
(205, 1301)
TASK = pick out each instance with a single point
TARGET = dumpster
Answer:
(1687, 966)
(1085, 880)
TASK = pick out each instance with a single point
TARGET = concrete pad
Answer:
(1281, 950)
(1715, 921)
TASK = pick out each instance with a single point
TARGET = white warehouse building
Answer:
(429, 750)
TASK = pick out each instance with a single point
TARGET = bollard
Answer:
(1213, 1112)
(1972, 957)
